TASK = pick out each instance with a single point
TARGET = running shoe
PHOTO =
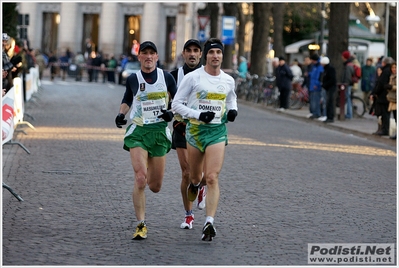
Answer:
(188, 222)
(201, 198)
(141, 232)
(192, 192)
(208, 232)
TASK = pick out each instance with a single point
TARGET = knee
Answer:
(155, 187)
(140, 181)
(211, 179)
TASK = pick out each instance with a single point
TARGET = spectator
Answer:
(111, 69)
(53, 63)
(283, 78)
(315, 82)
(243, 68)
(368, 80)
(305, 71)
(296, 70)
(391, 96)
(346, 78)
(135, 49)
(96, 64)
(357, 63)
(41, 63)
(379, 95)
(330, 86)
(64, 62)
(79, 60)
(104, 65)
(90, 47)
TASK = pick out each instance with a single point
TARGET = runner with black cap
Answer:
(207, 98)
(147, 138)
(191, 53)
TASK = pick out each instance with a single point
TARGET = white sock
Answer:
(209, 219)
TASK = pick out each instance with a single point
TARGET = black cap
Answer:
(281, 58)
(148, 44)
(314, 57)
(192, 42)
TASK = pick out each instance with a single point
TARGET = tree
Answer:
(278, 24)
(392, 36)
(10, 19)
(243, 18)
(261, 31)
(338, 38)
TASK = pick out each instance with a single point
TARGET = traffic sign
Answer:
(201, 36)
(228, 30)
(203, 21)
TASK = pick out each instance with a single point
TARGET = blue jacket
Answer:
(315, 77)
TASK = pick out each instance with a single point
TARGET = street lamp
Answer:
(372, 20)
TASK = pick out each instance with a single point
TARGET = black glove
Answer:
(120, 120)
(231, 115)
(207, 116)
(166, 115)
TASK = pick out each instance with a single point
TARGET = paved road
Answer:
(285, 183)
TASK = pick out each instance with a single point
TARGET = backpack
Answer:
(357, 73)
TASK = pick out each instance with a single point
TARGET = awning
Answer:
(294, 47)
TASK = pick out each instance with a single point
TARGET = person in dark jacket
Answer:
(283, 78)
(379, 96)
(330, 85)
(315, 83)
(346, 78)
(368, 80)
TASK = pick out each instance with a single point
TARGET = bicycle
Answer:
(268, 93)
(251, 90)
(299, 96)
(359, 106)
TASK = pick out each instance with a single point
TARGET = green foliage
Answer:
(300, 21)
(10, 19)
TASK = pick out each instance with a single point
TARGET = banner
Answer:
(18, 101)
(7, 124)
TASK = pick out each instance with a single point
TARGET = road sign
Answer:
(201, 36)
(203, 21)
(228, 30)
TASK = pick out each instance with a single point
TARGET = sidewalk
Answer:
(363, 127)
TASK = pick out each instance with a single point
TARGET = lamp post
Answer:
(372, 20)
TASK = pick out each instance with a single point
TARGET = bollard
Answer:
(342, 100)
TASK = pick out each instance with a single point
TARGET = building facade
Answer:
(111, 26)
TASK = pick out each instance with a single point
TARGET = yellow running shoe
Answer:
(141, 232)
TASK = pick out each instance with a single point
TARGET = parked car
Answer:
(130, 68)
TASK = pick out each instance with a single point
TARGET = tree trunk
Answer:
(259, 49)
(214, 18)
(278, 23)
(243, 19)
(392, 41)
(338, 27)
(230, 9)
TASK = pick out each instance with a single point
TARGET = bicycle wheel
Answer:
(358, 106)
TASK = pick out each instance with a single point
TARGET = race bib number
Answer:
(151, 109)
(215, 106)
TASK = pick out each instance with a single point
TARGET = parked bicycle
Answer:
(359, 106)
(251, 93)
(268, 93)
(299, 96)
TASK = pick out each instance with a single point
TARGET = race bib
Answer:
(151, 109)
(215, 106)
